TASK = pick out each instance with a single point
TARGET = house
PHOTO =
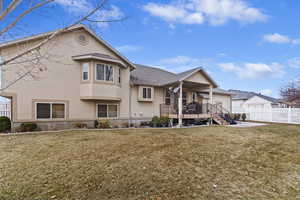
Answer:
(243, 100)
(87, 79)
(292, 102)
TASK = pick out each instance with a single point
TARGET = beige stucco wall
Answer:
(198, 78)
(62, 79)
(225, 100)
(145, 109)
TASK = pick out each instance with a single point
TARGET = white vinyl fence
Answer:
(5, 109)
(280, 115)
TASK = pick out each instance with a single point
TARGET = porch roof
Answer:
(152, 76)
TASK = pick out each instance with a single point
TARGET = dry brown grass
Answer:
(199, 163)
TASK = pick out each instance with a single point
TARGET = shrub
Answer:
(96, 124)
(104, 124)
(5, 124)
(145, 123)
(80, 125)
(237, 117)
(28, 127)
(244, 116)
(165, 121)
(156, 122)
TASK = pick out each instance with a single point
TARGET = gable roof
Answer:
(73, 28)
(147, 75)
(245, 95)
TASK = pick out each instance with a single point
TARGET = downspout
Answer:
(129, 106)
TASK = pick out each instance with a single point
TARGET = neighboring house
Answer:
(293, 102)
(86, 79)
(243, 100)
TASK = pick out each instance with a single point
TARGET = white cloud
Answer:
(215, 12)
(294, 62)
(182, 63)
(128, 48)
(82, 7)
(254, 70)
(266, 92)
(280, 39)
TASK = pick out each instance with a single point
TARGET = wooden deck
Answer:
(190, 116)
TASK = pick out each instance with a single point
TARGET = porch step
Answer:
(220, 120)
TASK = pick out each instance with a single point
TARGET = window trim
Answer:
(51, 118)
(105, 81)
(88, 71)
(151, 93)
(167, 97)
(107, 104)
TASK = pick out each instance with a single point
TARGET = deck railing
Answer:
(193, 109)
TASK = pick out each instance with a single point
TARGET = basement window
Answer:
(107, 110)
(50, 111)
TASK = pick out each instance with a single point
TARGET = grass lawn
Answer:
(199, 163)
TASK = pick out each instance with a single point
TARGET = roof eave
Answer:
(90, 57)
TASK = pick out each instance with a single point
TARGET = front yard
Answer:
(206, 163)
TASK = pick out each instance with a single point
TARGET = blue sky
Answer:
(243, 44)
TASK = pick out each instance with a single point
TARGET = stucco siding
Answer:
(61, 79)
(142, 109)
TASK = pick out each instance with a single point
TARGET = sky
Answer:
(251, 45)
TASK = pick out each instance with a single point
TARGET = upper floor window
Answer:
(167, 97)
(184, 98)
(85, 71)
(194, 96)
(50, 110)
(119, 75)
(104, 72)
(147, 93)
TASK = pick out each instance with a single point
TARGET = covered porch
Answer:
(184, 100)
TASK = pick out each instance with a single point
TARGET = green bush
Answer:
(5, 124)
(244, 116)
(28, 127)
(156, 122)
(103, 124)
(96, 124)
(165, 121)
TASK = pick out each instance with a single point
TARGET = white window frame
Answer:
(147, 89)
(107, 104)
(167, 97)
(88, 71)
(36, 111)
(113, 73)
(119, 75)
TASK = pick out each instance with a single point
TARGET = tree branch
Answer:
(10, 8)
(26, 12)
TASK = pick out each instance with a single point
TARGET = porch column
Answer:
(211, 94)
(180, 105)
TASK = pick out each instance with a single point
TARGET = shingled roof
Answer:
(245, 95)
(154, 76)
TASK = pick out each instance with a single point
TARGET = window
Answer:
(168, 98)
(104, 72)
(147, 93)
(194, 96)
(184, 98)
(119, 74)
(50, 110)
(85, 71)
(107, 110)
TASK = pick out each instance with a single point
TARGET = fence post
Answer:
(271, 114)
(290, 115)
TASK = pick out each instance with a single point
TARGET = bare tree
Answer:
(291, 93)
(29, 59)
